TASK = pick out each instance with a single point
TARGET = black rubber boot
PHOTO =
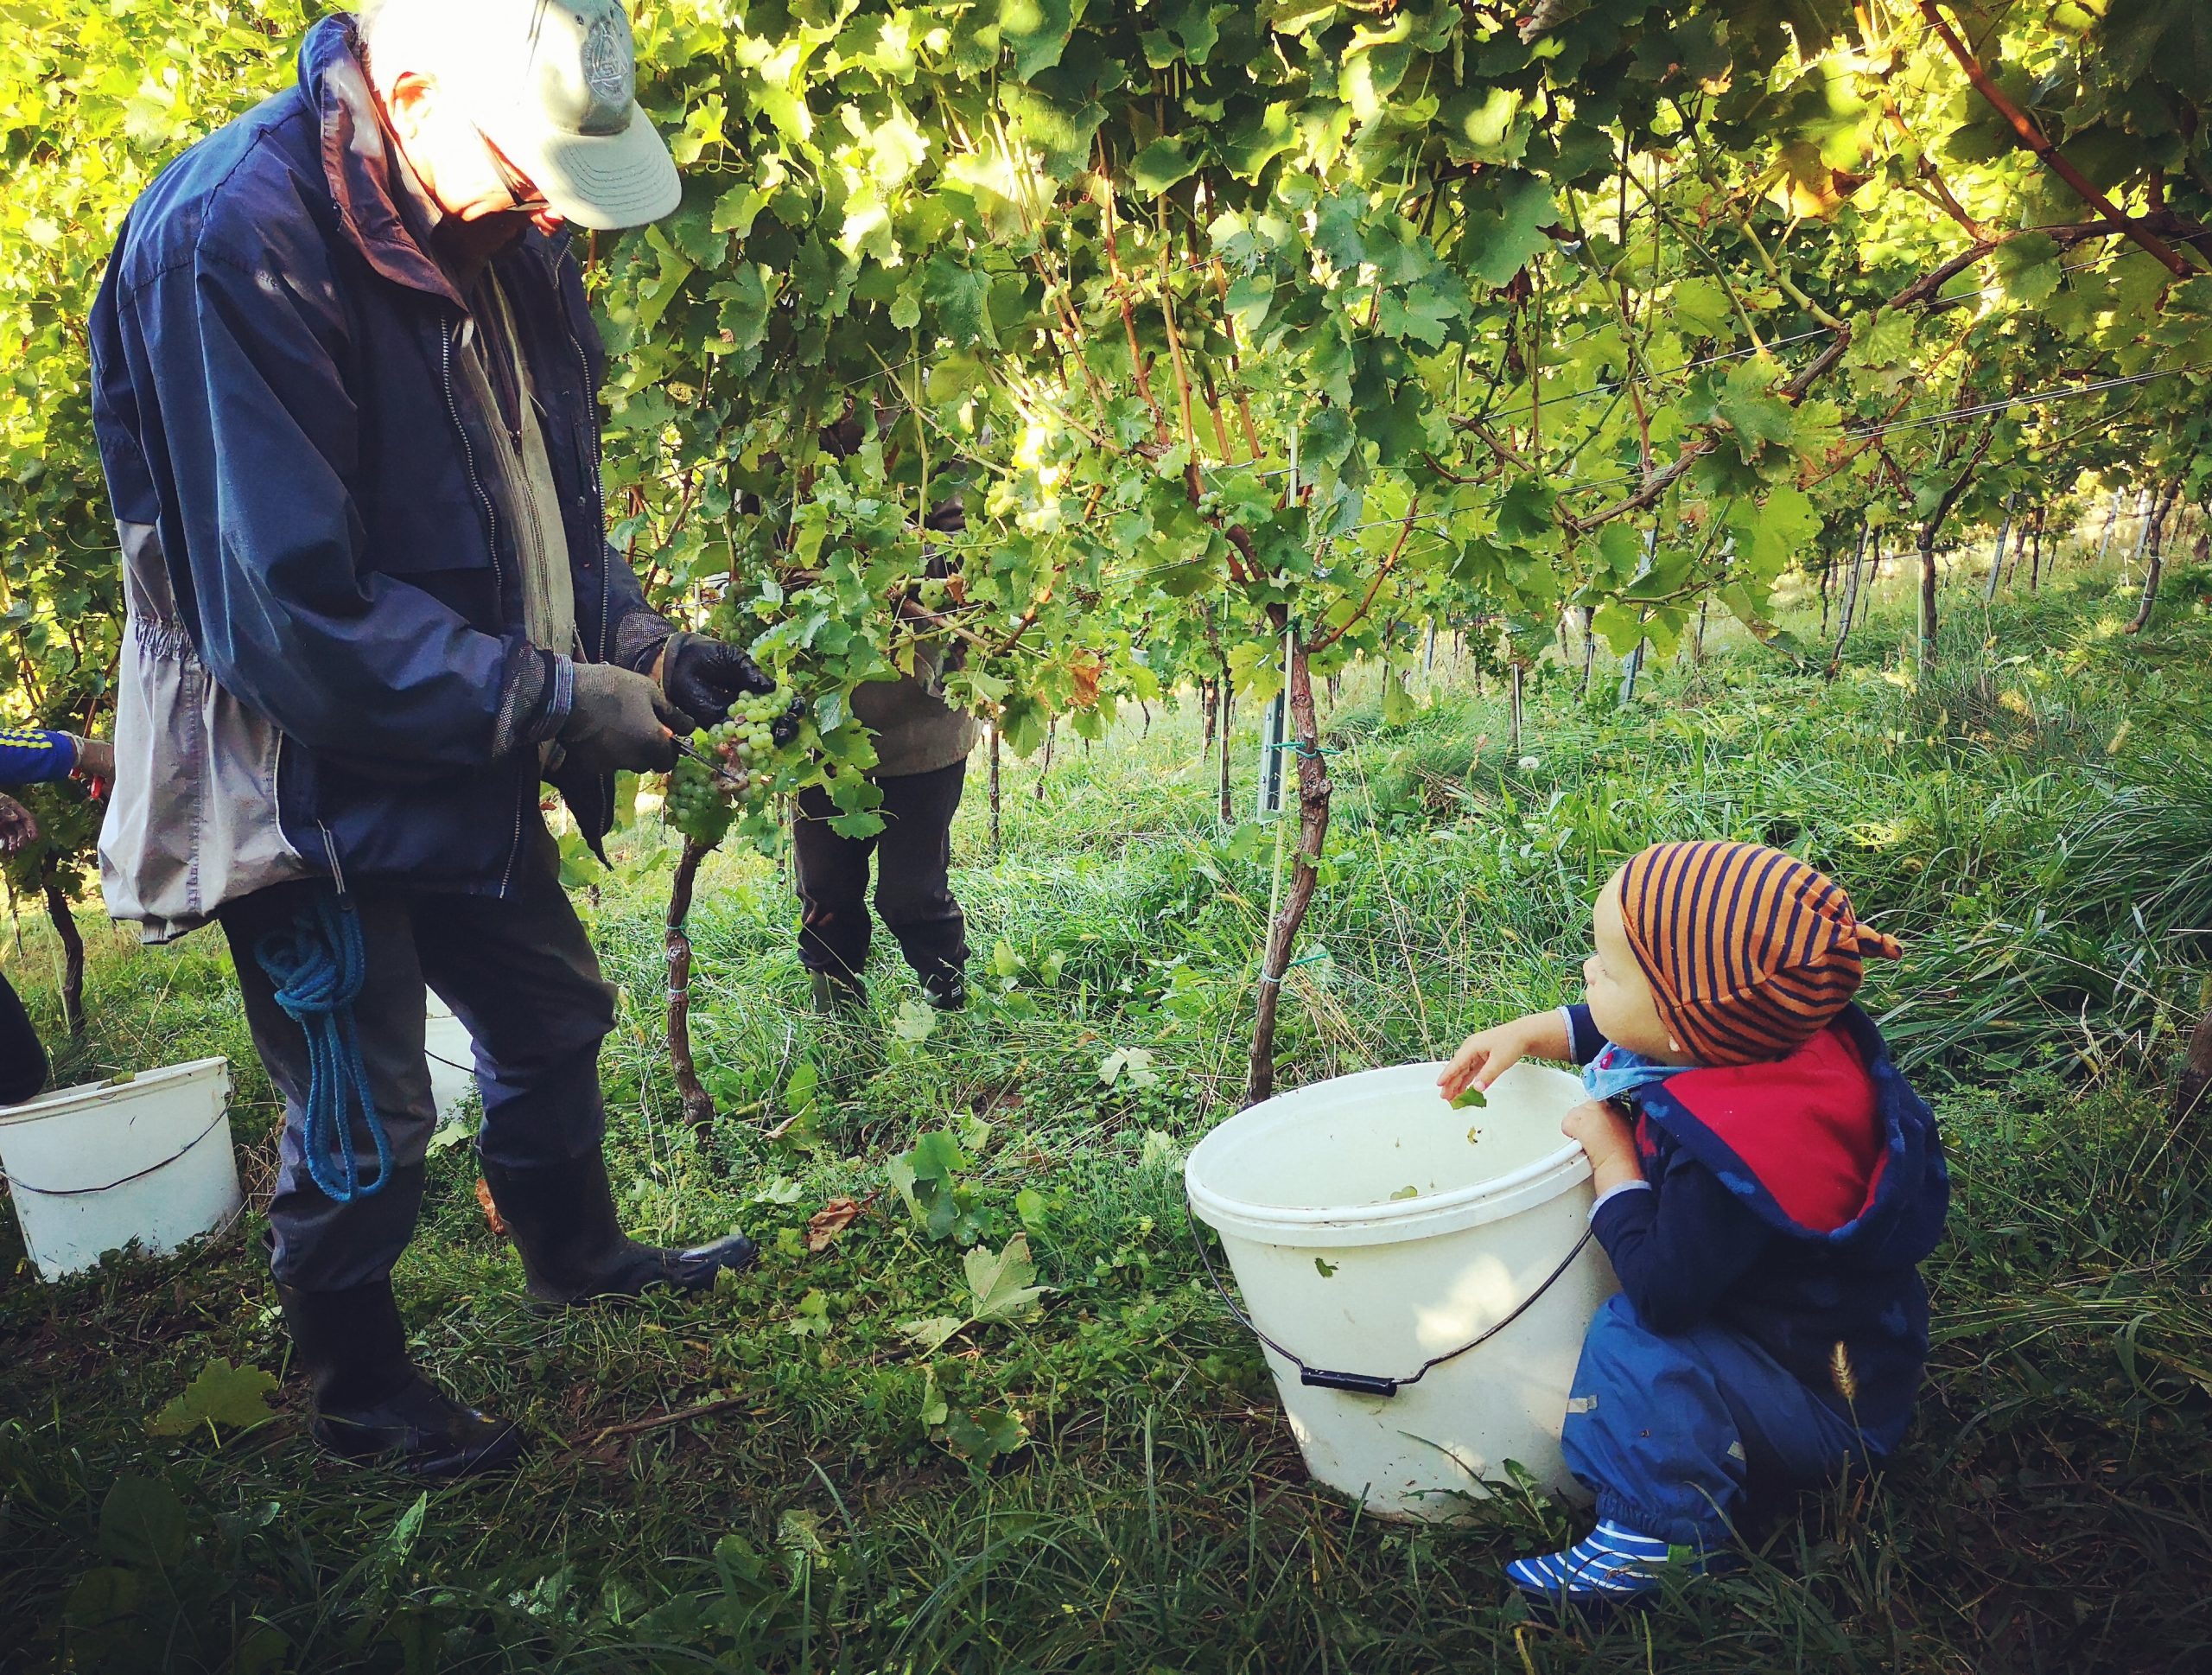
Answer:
(838, 997)
(946, 990)
(562, 1218)
(371, 1403)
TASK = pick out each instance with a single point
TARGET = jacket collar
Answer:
(1814, 1142)
(363, 172)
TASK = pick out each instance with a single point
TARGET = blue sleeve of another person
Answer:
(1679, 1248)
(29, 756)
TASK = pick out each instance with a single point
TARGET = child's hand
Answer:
(1605, 1136)
(1489, 1054)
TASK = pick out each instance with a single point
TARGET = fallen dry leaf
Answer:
(826, 1223)
(492, 1218)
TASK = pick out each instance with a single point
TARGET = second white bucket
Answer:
(1372, 1229)
(99, 1167)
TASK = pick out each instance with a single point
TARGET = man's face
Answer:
(469, 176)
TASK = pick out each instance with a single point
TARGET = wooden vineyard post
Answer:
(1227, 695)
(2035, 550)
(698, 1103)
(1589, 649)
(2112, 522)
(2155, 556)
(1997, 558)
(1928, 619)
(1313, 791)
(1630, 669)
(1852, 583)
(2145, 503)
(1515, 710)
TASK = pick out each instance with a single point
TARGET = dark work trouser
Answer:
(22, 1060)
(913, 857)
(519, 972)
(1678, 1434)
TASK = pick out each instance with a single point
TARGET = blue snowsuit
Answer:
(1771, 1323)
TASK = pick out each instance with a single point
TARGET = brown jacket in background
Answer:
(916, 731)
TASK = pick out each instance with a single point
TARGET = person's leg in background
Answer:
(834, 926)
(520, 973)
(333, 1260)
(23, 1059)
(913, 891)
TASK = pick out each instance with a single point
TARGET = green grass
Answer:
(1111, 1486)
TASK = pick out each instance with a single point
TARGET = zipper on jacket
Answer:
(599, 521)
(475, 481)
(499, 582)
(598, 493)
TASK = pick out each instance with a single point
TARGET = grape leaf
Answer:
(220, 1395)
(1001, 1283)
(1506, 217)
(1162, 164)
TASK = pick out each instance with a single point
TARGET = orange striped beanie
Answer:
(1750, 952)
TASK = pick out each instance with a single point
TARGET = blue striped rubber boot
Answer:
(1612, 1563)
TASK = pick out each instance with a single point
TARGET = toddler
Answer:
(1766, 1186)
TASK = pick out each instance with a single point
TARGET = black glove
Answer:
(703, 676)
(619, 723)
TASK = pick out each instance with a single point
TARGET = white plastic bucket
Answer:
(451, 1053)
(1351, 1274)
(91, 1169)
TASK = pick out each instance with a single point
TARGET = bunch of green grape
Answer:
(750, 756)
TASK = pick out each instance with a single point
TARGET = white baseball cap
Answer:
(553, 84)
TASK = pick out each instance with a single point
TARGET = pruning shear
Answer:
(685, 747)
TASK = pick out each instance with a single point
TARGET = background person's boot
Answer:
(371, 1403)
(562, 1219)
(946, 989)
(838, 997)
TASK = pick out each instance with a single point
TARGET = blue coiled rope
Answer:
(317, 967)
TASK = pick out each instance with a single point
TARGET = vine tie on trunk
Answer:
(317, 967)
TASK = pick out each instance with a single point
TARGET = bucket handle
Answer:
(14, 1184)
(1373, 1384)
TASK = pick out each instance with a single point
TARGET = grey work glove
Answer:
(96, 760)
(620, 723)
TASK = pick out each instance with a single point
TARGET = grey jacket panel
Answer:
(191, 822)
(916, 731)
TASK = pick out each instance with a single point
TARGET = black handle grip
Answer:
(1353, 1384)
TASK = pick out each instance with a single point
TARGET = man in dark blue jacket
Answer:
(345, 395)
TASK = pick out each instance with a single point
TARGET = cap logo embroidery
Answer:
(607, 62)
